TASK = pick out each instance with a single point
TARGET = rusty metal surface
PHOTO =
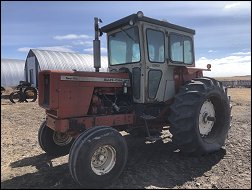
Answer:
(183, 74)
(59, 125)
(72, 98)
(63, 125)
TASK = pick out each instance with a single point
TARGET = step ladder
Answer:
(149, 118)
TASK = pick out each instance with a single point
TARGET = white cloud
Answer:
(229, 6)
(171, 10)
(242, 53)
(236, 64)
(24, 49)
(58, 48)
(71, 37)
(104, 50)
(90, 50)
(237, 6)
(84, 43)
(65, 48)
(211, 51)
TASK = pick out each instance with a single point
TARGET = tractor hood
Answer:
(73, 90)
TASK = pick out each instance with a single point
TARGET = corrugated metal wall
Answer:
(12, 71)
(55, 60)
(38, 60)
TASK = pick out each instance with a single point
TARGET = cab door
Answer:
(156, 54)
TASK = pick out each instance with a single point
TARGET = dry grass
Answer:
(8, 90)
(240, 95)
(247, 77)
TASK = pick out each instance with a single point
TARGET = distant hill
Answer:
(245, 77)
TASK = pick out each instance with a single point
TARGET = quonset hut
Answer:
(38, 60)
(12, 71)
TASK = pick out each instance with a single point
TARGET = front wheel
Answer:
(16, 96)
(97, 157)
(200, 116)
(52, 142)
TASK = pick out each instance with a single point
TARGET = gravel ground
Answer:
(150, 166)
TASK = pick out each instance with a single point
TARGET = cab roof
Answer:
(125, 21)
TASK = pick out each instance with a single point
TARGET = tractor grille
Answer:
(46, 89)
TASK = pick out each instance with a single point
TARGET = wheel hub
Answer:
(101, 157)
(30, 93)
(61, 139)
(206, 118)
(103, 160)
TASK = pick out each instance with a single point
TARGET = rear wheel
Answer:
(98, 157)
(30, 94)
(200, 116)
(52, 142)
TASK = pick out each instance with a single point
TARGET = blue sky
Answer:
(223, 28)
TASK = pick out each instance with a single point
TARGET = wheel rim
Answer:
(61, 139)
(30, 93)
(103, 160)
(16, 97)
(206, 118)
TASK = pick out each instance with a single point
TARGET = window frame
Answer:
(148, 85)
(147, 44)
(172, 62)
(109, 50)
(133, 83)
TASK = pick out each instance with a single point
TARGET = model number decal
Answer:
(93, 79)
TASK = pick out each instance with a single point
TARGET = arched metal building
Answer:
(38, 60)
(12, 71)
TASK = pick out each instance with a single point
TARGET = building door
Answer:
(31, 71)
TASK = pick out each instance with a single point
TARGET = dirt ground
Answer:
(150, 166)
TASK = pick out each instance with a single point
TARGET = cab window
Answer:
(124, 47)
(181, 49)
(155, 45)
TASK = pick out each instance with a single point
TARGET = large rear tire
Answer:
(200, 116)
(52, 142)
(97, 157)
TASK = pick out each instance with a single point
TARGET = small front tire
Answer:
(97, 159)
(52, 142)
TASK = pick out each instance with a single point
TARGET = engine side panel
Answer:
(68, 94)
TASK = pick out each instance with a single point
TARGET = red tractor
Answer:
(151, 83)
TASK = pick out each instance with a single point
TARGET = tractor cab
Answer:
(150, 50)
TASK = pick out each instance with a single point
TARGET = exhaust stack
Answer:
(97, 45)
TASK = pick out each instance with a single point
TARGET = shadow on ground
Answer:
(155, 164)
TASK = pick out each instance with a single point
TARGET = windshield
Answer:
(124, 46)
